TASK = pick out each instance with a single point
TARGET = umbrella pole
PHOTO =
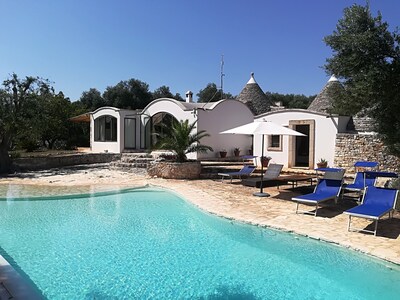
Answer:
(261, 193)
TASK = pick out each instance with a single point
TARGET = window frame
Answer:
(106, 131)
(271, 147)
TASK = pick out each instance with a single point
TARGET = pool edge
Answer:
(283, 229)
(14, 286)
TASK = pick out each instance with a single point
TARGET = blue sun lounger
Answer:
(245, 171)
(362, 179)
(326, 189)
(376, 203)
(331, 173)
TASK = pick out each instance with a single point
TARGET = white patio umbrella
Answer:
(263, 128)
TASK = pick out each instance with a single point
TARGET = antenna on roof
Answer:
(222, 76)
(222, 83)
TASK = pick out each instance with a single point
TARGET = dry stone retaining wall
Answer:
(172, 170)
(48, 162)
(354, 147)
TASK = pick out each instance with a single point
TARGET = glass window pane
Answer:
(130, 133)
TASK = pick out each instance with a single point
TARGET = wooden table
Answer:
(294, 179)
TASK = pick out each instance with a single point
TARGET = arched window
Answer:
(105, 129)
(157, 122)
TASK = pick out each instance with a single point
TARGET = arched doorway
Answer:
(157, 124)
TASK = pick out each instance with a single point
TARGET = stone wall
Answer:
(48, 162)
(354, 147)
(172, 170)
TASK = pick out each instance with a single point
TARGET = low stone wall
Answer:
(173, 170)
(354, 147)
(48, 162)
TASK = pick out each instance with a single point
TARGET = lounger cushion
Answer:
(272, 173)
(246, 170)
(376, 203)
(326, 189)
(315, 197)
(368, 211)
(256, 182)
(358, 183)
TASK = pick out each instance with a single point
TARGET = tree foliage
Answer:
(128, 94)
(53, 121)
(291, 100)
(212, 94)
(33, 116)
(16, 99)
(92, 99)
(366, 57)
(180, 139)
(164, 92)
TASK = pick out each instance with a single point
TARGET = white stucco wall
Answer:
(170, 106)
(120, 115)
(224, 115)
(111, 147)
(174, 108)
(326, 128)
(219, 116)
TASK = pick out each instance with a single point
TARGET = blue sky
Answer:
(86, 44)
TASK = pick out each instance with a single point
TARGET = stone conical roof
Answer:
(323, 101)
(253, 96)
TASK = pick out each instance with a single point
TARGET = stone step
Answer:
(119, 164)
(130, 169)
(132, 161)
(136, 159)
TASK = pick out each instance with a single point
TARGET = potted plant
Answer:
(265, 160)
(236, 151)
(180, 139)
(222, 153)
(323, 163)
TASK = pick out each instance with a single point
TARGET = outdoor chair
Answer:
(376, 203)
(245, 171)
(272, 173)
(362, 179)
(326, 189)
(332, 173)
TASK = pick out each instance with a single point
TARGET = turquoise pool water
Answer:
(151, 244)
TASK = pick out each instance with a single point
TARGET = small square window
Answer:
(275, 143)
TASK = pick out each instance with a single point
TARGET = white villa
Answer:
(320, 131)
(119, 130)
(116, 130)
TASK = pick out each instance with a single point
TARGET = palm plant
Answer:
(180, 139)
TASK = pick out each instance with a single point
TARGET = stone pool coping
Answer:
(278, 212)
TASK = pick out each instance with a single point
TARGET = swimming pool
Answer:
(151, 244)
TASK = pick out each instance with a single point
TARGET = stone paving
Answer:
(232, 201)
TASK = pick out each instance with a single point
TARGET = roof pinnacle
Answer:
(252, 80)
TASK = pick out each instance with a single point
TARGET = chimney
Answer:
(189, 97)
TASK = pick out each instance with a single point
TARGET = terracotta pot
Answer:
(265, 161)
(322, 165)
(236, 152)
(222, 154)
